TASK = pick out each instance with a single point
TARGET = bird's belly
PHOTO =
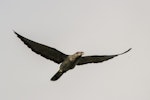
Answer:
(65, 66)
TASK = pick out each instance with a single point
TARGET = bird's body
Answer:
(67, 61)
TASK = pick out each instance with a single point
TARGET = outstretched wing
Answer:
(45, 51)
(97, 59)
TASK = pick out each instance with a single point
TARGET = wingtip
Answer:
(17, 34)
(126, 51)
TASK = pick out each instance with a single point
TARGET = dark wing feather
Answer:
(97, 59)
(45, 51)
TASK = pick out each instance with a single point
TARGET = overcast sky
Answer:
(102, 27)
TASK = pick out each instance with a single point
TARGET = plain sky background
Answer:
(101, 27)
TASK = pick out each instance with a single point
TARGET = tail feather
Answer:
(57, 76)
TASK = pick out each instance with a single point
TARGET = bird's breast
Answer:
(68, 64)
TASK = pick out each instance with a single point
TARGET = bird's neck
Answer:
(74, 57)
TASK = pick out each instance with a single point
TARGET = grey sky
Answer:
(93, 26)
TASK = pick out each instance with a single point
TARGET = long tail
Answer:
(57, 76)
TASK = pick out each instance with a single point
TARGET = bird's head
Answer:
(76, 55)
(79, 53)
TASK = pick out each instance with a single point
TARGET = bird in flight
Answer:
(67, 61)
